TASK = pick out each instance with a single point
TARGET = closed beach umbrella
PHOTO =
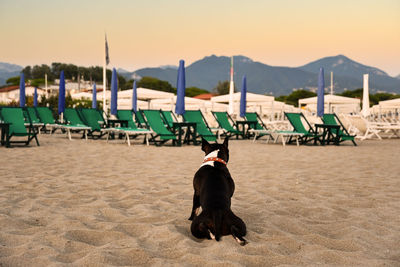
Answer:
(243, 98)
(94, 96)
(35, 98)
(134, 97)
(114, 92)
(61, 94)
(180, 89)
(365, 104)
(22, 90)
(320, 93)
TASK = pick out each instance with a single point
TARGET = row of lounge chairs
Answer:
(158, 126)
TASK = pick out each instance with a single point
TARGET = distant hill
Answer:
(349, 74)
(266, 79)
(7, 71)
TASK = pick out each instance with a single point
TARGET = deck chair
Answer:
(19, 127)
(74, 123)
(155, 122)
(34, 118)
(332, 118)
(260, 128)
(169, 118)
(46, 116)
(131, 129)
(92, 118)
(141, 122)
(202, 128)
(225, 121)
(295, 120)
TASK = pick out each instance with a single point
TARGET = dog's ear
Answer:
(205, 146)
(226, 142)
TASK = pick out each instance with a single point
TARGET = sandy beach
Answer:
(93, 203)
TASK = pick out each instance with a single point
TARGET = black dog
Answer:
(213, 189)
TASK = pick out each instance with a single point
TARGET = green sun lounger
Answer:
(141, 122)
(202, 128)
(155, 122)
(227, 124)
(260, 129)
(332, 118)
(74, 123)
(131, 129)
(169, 118)
(92, 118)
(46, 116)
(309, 135)
(33, 116)
(19, 127)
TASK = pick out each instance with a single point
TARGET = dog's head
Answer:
(223, 152)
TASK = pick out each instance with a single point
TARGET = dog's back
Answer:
(213, 190)
(215, 187)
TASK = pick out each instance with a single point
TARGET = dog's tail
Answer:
(217, 218)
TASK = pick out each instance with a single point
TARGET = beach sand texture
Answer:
(92, 203)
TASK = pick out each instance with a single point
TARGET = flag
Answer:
(107, 56)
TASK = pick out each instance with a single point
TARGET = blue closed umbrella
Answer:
(94, 96)
(243, 98)
(22, 90)
(35, 98)
(180, 89)
(114, 92)
(61, 94)
(134, 97)
(320, 93)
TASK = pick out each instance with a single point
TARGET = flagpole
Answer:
(231, 89)
(104, 85)
(105, 77)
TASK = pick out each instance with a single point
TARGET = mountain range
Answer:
(266, 79)
(262, 78)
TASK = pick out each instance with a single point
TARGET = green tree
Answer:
(293, 98)
(353, 93)
(27, 72)
(222, 88)
(37, 82)
(156, 84)
(13, 80)
(194, 91)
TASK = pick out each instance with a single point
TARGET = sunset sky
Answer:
(152, 33)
